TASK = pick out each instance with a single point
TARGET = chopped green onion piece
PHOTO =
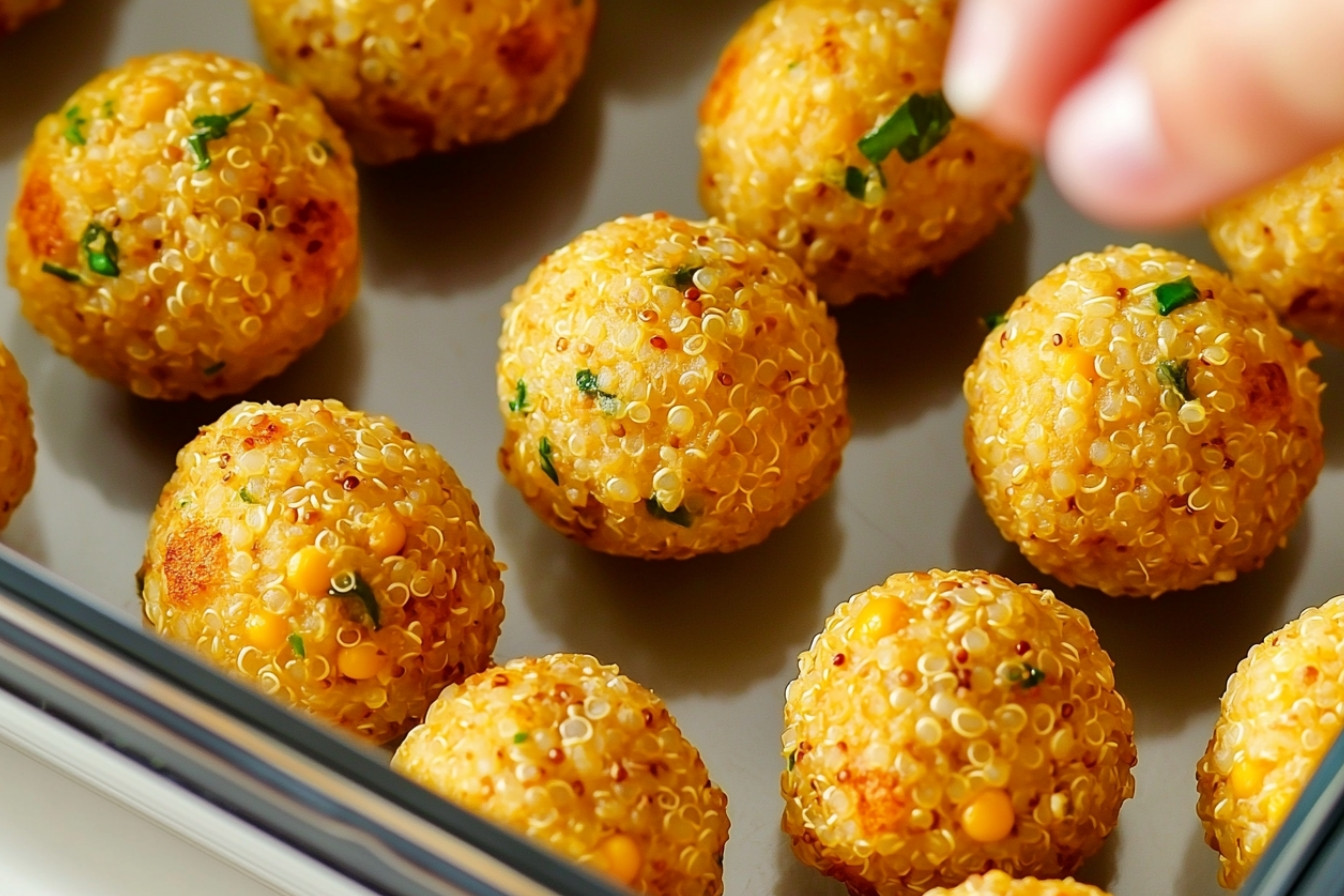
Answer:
(683, 277)
(1026, 677)
(856, 183)
(996, 320)
(246, 496)
(518, 404)
(1171, 296)
(678, 517)
(793, 758)
(100, 250)
(214, 368)
(1173, 375)
(587, 383)
(65, 274)
(77, 121)
(296, 645)
(914, 129)
(544, 449)
(348, 584)
(211, 127)
(520, 737)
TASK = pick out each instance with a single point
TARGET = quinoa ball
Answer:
(824, 134)
(582, 759)
(327, 557)
(1285, 240)
(1280, 714)
(996, 883)
(945, 723)
(1139, 424)
(18, 450)
(429, 75)
(186, 225)
(14, 13)
(669, 389)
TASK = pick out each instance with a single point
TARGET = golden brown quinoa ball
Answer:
(186, 225)
(996, 883)
(324, 555)
(824, 134)
(669, 389)
(1285, 240)
(1137, 451)
(579, 757)
(415, 76)
(944, 723)
(14, 13)
(1280, 713)
(18, 450)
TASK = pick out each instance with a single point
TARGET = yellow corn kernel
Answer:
(1074, 363)
(1278, 806)
(989, 817)
(309, 571)
(359, 661)
(155, 97)
(387, 535)
(620, 857)
(881, 617)
(266, 630)
(1248, 776)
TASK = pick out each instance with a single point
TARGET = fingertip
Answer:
(978, 57)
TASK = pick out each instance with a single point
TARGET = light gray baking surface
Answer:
(447, 238)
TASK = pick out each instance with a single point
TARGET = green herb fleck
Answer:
(184, 502)
(100, 250)
(914, 129)
(1173, 375)
(683, 277)
(518, 404)
(793, 758)
(76, 121)
(107, 109)
(678, 517)
(995, 320)
(520, 737)
(296, 645)
(246, 496)
(544, 449)
(1171, 296)
(587, 382)
(1026, 676)
(856, 182)
(211, 127)
(214, 368)
(65, 274)
(794, 64)
(348, 584)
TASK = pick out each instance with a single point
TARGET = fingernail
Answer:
(979, 56)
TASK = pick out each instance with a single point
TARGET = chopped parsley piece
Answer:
(544, 449)
(518, 404)
(352, 584)
(914, 129)
(1026, 677)
(65, 274)
(107, 109)
(1171, 296)
(100, 250)
(520, 737)
(793, 758)
(296, 645)
(214, 368)
(587, 382)
(995, 320)
(683, 277)
(679, 517)
(211, 127)
(72, 131)
(856, 182)
(1172, 375)
(246, 496)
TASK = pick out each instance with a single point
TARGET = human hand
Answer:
(1151, 110)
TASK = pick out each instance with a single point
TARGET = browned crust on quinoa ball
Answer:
(18, 449)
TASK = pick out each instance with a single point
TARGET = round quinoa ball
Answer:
(577, 756)
(1280, 714)
(420, 76)
(1285, 240)
(14, 13)
(327, 557)
(945, 723)
(996, 883)
(186, 225)
(824, 134)
(18, 450)
(669, 389)
(1139, 424)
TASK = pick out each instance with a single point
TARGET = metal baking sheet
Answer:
(447, 238)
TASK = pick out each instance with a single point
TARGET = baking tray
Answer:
(447, 238)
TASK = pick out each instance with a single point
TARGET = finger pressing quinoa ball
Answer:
(669, 389)
(329, 558)
(825, 134)
(186, 225)
(1139, 424)
(14, 13)
(1280, 714)
(945, 723)
(1285, 241)
(411, 77)
(18, 450)
(579, 757)
(996, 883)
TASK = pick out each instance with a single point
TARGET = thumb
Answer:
(1201, 100)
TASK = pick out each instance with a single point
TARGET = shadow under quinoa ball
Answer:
(824, 133)
(996, 883)
(14, 13)
(1285, 240)
(1139, 424)
(944, 723)
(186, 225)
(1280, 714)
(325, 556)
(669, 389)
(18, 450)
(584, 760)
(418, 76)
